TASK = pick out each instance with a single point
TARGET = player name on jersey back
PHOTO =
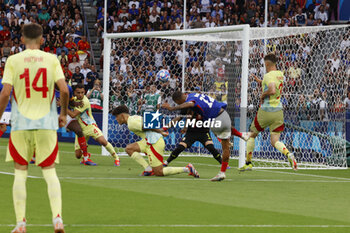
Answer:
(33, 74)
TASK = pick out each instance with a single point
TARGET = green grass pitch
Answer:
(116, 199)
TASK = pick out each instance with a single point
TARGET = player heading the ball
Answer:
(210, 109)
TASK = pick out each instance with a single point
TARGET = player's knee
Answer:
(3, 128)
(158, 172)
(183, 144)
(212, 150)
(225, 143)
(79, 133)
(102, 141)
(78, 154)
(129, 149)
(178, 150)
(273, 141)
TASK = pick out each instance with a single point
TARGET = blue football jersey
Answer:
(8, 107)
(57, 94)
(205, 105)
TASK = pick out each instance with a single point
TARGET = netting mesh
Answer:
(316, 82)
(316, 71)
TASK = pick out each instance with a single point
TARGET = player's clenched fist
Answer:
(62, 120)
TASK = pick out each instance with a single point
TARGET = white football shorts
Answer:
(6, 118)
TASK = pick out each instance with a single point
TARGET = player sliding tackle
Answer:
(152, 144)
(84, 115)
(219, 121)
(270, 113)
(32, 75)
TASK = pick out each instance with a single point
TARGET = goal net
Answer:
(218, 62)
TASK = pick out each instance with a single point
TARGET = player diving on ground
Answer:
(152, 144)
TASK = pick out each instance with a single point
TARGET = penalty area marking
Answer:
(184, 225)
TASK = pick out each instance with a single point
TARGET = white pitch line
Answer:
(297, 181)
(12, 174)
(185, 225)
(117, 178)
(303, 174)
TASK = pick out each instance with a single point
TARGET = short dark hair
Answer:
(32, 31)
(119, 110)
(271, 57)
(79, 85)
(177, 95)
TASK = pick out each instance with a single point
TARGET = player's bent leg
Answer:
(281, 147)
(249, 153)
(175, 153)
(166, 171)
(158, 171)
(235, 132)
(76, 128)
(225, 159)
(110, 149)
(209, 145)
(133, 150)
(79, 153)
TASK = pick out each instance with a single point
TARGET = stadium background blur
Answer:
(73, 30)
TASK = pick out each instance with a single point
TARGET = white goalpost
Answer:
(219, 62)
(181, 33)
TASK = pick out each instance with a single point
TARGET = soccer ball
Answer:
(163, 75)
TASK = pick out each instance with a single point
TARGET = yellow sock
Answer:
(172, 170)
(138, 158)
(54, 190)
(111, 150)
(281, 148)
(250, 149)
(19, 193)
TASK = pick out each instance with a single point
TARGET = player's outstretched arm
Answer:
(258, 80)
(4, 97)
(64, 96)
(178, 107)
